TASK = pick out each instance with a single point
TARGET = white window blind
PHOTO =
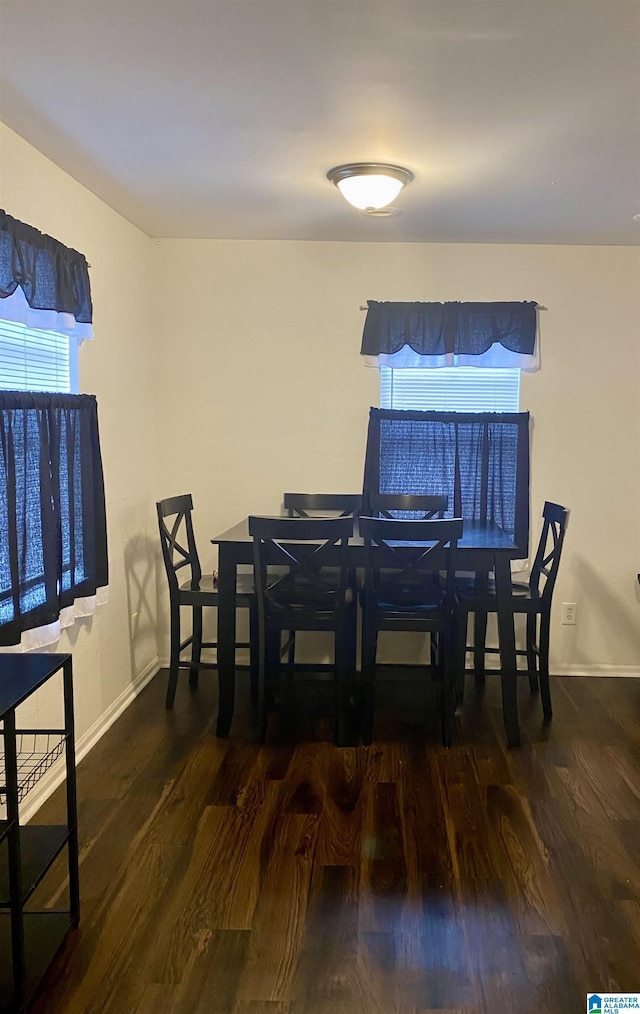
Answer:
(451, 389)
(36, 360)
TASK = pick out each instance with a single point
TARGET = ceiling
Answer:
(220, 118)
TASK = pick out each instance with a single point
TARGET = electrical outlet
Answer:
(569, 613)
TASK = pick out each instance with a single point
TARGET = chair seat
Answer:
(300, 603)
(209, 587)
(408, 597)
(391, 609)
(523, 598)
(466, 588)
(311, 601)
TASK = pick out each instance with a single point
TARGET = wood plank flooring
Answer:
(223, 877)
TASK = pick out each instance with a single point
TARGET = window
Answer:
(53, 542)
(32, 359)
(451, 389)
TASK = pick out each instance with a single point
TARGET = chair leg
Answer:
(543, 661)
(460, 641)
(448, 704)
(369, 647)
(268, 667)
(448, 648)
(479, 643)
(174, 658)
(532, 655)
(345, 677)
(196, 647)
(254, 654)
(261, 701)
(291, 657)
(433, 650)
(273, 643)
(340, 696)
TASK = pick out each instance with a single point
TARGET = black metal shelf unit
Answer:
(30, 939)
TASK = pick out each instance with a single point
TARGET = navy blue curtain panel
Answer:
(53, 536)
(480, 461)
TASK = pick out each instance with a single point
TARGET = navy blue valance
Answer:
(451, 334)
(43, 283)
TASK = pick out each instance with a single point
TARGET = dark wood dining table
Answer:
(484, 547)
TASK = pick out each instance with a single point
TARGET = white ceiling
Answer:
(220, 118)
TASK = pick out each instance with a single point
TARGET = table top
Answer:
(479, 536)
(22, 674)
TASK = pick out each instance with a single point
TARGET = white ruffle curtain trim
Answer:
(40, 637)
(496, 357)
(16, 308)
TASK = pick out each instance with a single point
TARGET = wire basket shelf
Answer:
(36, 753)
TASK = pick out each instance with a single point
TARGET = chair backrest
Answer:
(304, 505)
(417, 553)
(547, 559)
(409, 506)
(177, 539)
(301, 561)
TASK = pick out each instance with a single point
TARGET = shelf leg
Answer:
(72, 804)
(13, 842)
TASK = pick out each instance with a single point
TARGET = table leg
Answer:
(226, 637)
(508, 662)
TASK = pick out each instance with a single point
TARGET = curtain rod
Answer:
(538, 307)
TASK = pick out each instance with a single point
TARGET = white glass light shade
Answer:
(369, 186)
(369, 191)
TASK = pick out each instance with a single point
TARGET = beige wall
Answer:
(108, 654)
(268, 334)
(232, 369)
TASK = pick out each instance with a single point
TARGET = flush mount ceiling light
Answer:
(370, 186)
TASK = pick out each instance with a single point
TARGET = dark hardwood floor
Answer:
(221, 877)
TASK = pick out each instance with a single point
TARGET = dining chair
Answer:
(301, 574)
(409, 586)
(304, 505)
(180, 556)
(532, 599)
(409, 506)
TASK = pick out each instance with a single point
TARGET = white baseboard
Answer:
(209, 655)
(56, 774)
(631, 671)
